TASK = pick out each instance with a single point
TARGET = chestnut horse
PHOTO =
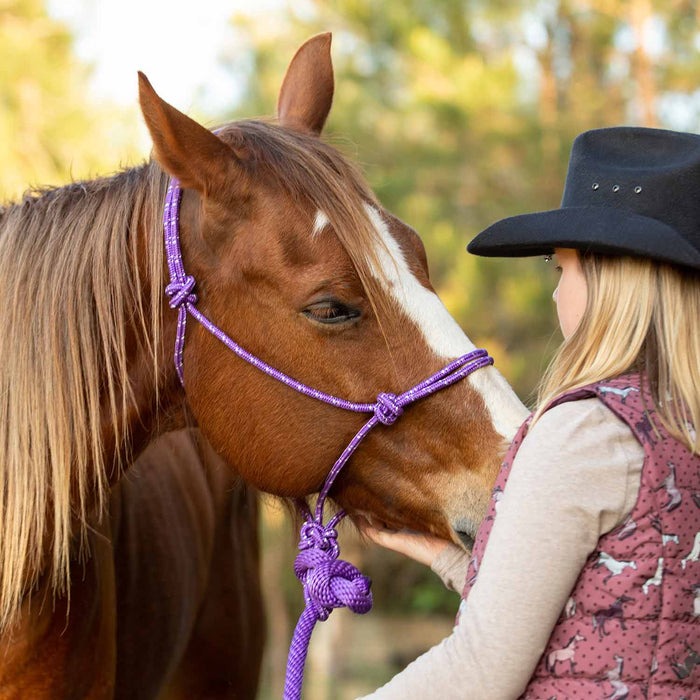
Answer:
(296, 260)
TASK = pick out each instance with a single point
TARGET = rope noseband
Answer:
(328, 582)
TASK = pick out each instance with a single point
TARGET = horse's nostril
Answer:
(465, 528)
(466, 538)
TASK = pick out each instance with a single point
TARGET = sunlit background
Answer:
(459, 111)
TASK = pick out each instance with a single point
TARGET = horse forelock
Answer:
(72, 283)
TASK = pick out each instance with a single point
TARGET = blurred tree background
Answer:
(51, 129)
(460, 112)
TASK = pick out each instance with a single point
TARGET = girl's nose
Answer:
(555, 293)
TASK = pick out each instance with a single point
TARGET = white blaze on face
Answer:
(441, 332)
(423, 307)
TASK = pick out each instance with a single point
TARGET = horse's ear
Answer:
(307, 90)
(186, 150)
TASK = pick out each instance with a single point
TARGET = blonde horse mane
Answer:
(70, 289)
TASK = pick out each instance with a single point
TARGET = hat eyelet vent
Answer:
(616, 188)
(595, 186)
(637, 189)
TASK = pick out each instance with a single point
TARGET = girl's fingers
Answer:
(422, 548)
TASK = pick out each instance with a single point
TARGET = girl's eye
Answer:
(557, 268)
(331, 311)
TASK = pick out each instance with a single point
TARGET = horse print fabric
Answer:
(630, 628)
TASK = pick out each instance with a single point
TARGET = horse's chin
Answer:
(376, 522)
(461, 531)
(460, 536)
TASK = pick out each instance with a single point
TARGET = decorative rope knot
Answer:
(386, 409)
(331, 583)
(181, 292)
(314, 535)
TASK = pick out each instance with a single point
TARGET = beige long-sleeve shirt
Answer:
(575, 477)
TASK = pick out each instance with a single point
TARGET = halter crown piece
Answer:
(328, 582)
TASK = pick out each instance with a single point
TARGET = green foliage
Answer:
(50, 131)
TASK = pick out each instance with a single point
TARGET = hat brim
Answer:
(597, 229)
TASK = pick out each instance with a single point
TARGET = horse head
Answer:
(297, 261)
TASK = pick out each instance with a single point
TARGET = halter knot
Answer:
(180, 292)
(331, 583)
(314, 535)
(386, 409)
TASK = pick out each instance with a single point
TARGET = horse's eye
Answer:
(331, 311)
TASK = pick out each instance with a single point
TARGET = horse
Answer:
(672, 491)
(294, 258)
(614, 566)
(694, 554)
(683, 669)
(619, 690)
(654, 580)
(613, 612)
(566, 653)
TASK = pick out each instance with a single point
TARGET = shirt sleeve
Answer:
(575, 477)
(451, 566)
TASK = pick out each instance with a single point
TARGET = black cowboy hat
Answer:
(629, 191)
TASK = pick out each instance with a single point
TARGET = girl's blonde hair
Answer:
(641, 316)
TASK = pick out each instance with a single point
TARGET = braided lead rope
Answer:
(327, 581)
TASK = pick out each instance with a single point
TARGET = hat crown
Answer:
(630, 147)
(651, 172)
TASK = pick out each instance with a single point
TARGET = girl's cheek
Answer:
(565, 312)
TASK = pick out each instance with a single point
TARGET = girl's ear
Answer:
(307, 90)
(186, 150)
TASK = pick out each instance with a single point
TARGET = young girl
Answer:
(584, 580)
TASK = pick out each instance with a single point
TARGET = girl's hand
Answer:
(422, 548)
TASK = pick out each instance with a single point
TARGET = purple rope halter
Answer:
(328, 582)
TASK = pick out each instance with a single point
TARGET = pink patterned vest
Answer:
(631, 627)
